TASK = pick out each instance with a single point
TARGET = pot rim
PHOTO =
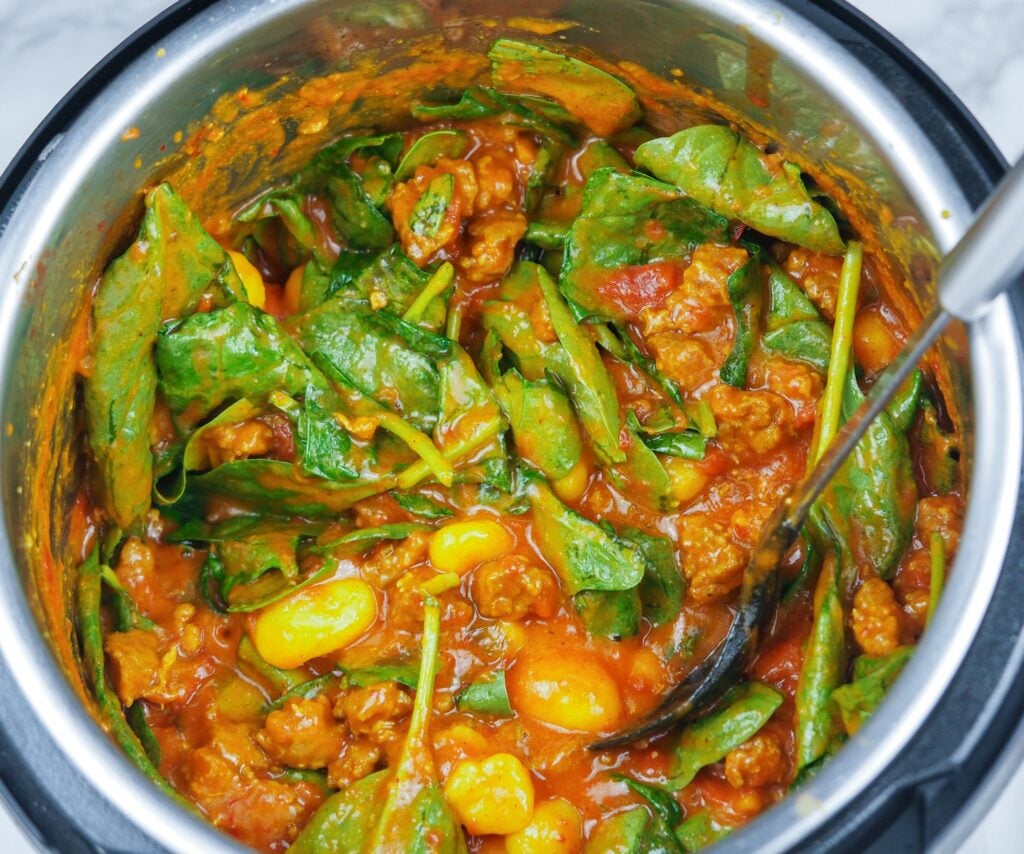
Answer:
(193, 29)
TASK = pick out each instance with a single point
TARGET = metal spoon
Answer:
(986, 261)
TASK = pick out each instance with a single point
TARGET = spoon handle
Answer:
(990, 256)
(798, 504)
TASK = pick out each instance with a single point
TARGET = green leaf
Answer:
(635, 831)
(430, 148)
(355, 215)
(872, 679)
(745, 710)
(904, 405)
(90, 632)
(585, 375)
(744, 287)
(136, 717)
(822, 670)
(415, 816)
(808, 341)
(787, 302)
(544, 427)
(217, 356)
(165, 273)
(612, 614)
(614, 233)
(602, 102)
(584, 556)
(403, 674)
(421, 505)
(372, 356)
(663, 587)
(939, 451)
(872, 499)
(345, 820)
(642, 476)
(700, 831)
(558, 208)
(688, 444)
(662, 802)
(545, 117)
(487, 696)
(283, 681)
(429, 211)
(277, 488)
(307, 690)
(728, 174)
(324, 446)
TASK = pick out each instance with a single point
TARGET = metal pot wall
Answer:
(817, 78)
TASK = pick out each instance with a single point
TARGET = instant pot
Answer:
(823, 81)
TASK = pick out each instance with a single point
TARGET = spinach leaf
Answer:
(904, 405)
(324, 447)
(662, 588)
(307, 690)
(612, 614)
(430, 148)
(430, 209)
(164, 274)
(415, 815)
(872, 499)
(585, 375)
(541, 115)
(872, 679)
(345, 820)
(794, 328)
(355, 215)
(403, 674)
(283, 681)
(635, 831)
(628, 221)
(90, 631)
(700, 831)
(544, 428)
(487, 696)
(558, 209)
(371, 354)
(602, 102)
(939, 451)
(280, 489)
(642, 476)
(746, 709)
(420, 505)
(662, 802)
(688, 444)
(822, 669)
(221, 355)
(728, 174)
(745, 295)
(585, 556)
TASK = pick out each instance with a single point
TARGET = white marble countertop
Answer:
(48, 45)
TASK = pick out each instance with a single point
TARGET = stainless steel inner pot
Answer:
(812, 95)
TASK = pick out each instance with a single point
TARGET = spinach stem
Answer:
(436, 286)
(839, 358)
(938, 573)
(421, 444)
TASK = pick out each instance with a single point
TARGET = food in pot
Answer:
(447, 458)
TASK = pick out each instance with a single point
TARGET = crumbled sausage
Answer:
(712, 563)
(750, 423)
(358, 757)
(756, 762)
(393, 557)
(691, 362)
(375, 711)
(876, 618)
(229, 442)
(800, 384)
(702, 298)
(492, 245)
(135, 662)
(495, 180)
(303, 734)
(419, 246)
(818, 275)
(940, 514)
(511, 587)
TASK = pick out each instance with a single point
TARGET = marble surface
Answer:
(975, 47)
